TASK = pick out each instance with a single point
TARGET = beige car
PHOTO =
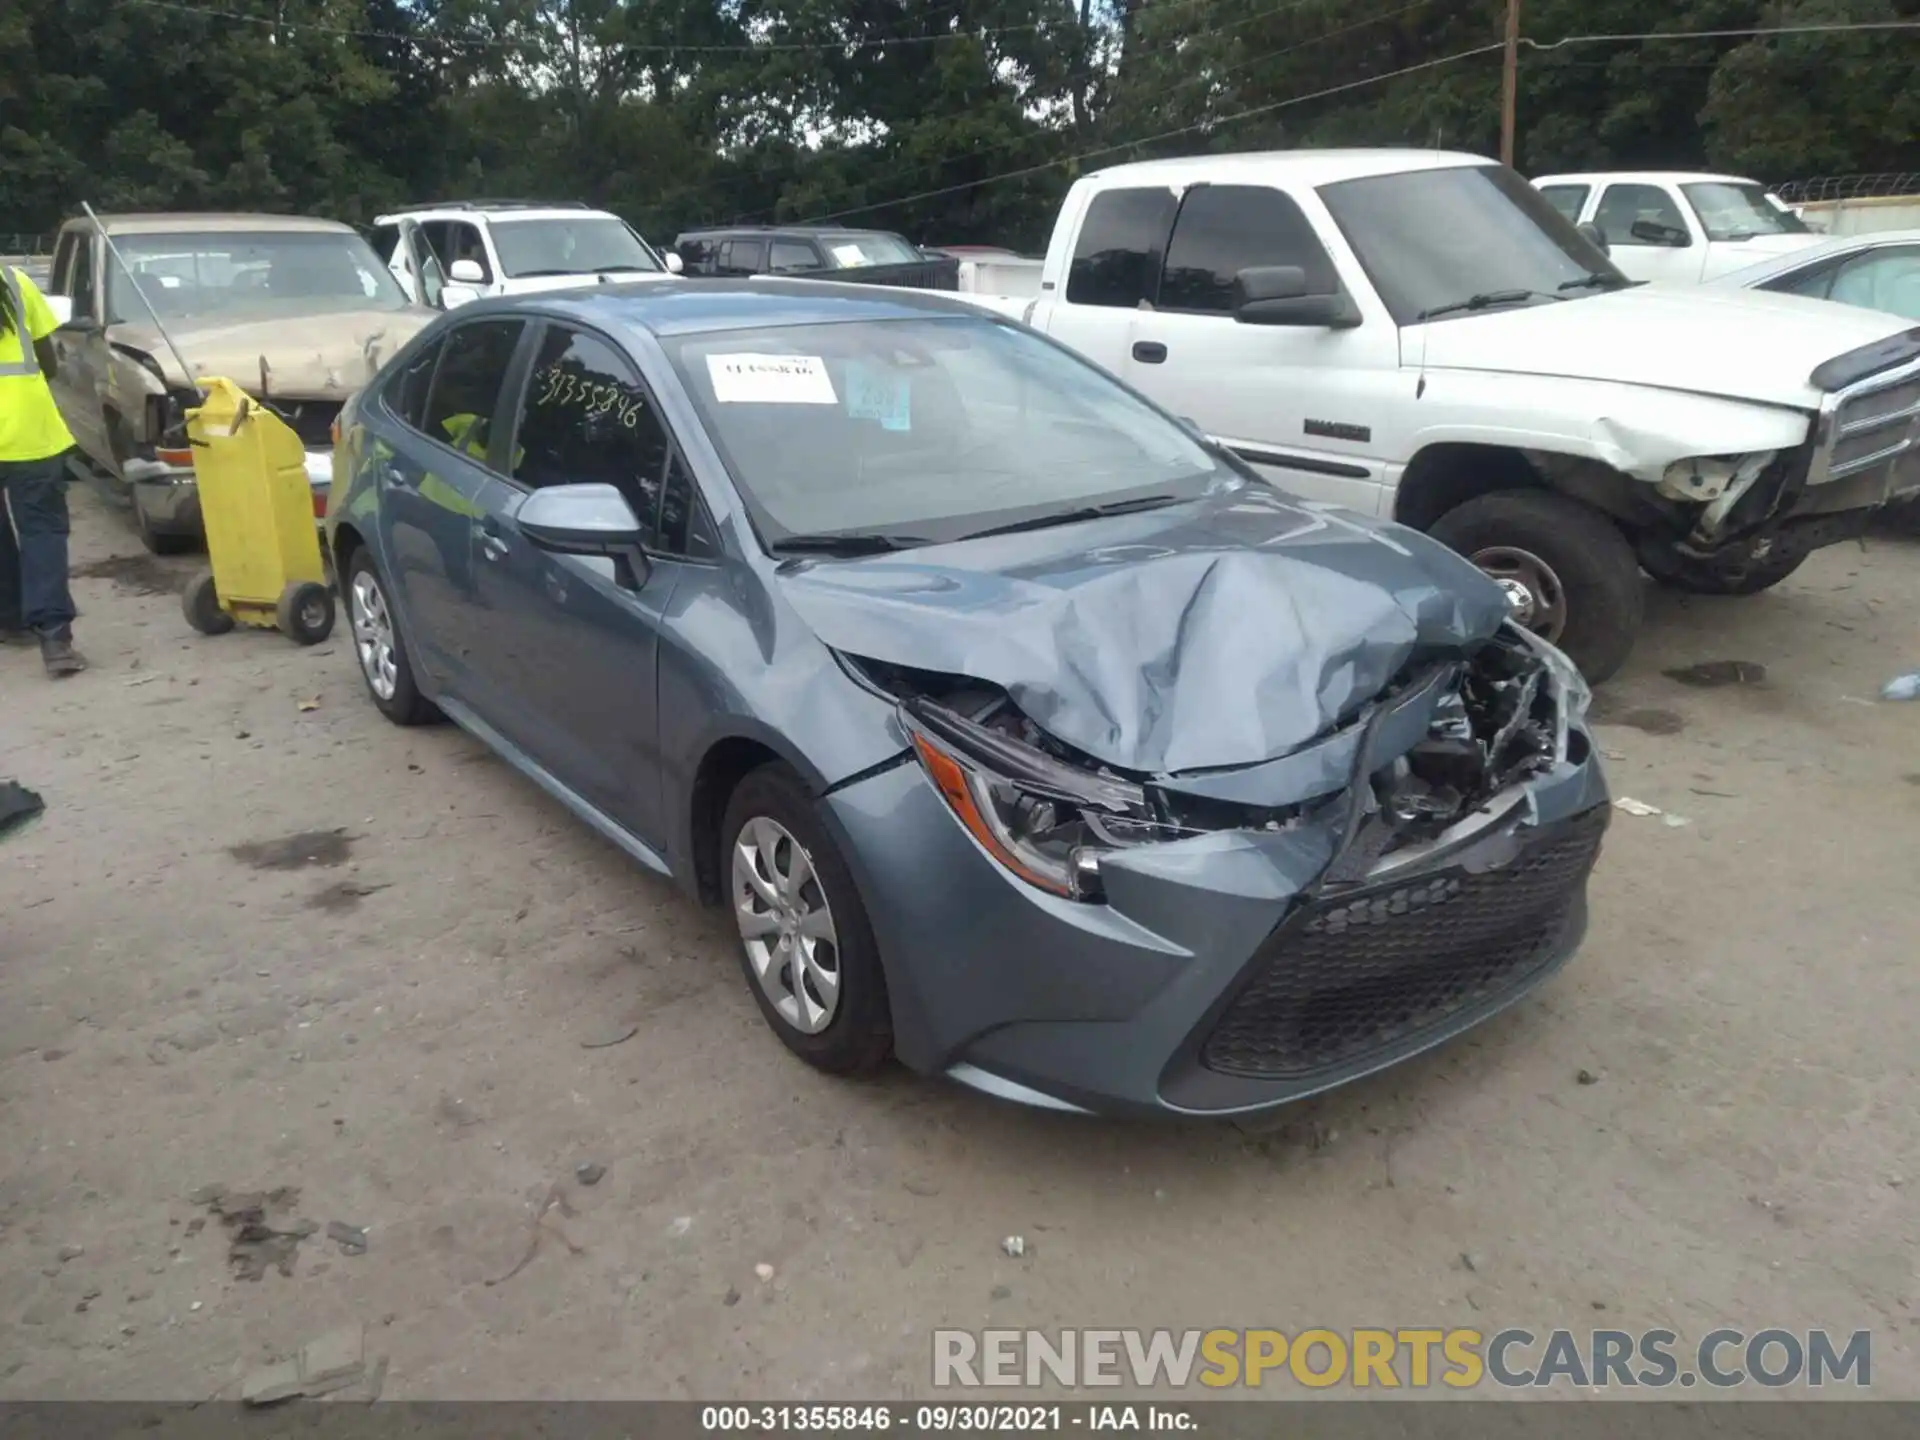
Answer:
(298, 311)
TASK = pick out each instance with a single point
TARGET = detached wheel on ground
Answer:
(1570, 573)
(805, 942)
(1700, 577)
(377, 646)
(305, 612)
(200, 603)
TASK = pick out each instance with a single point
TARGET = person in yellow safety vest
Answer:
(35, 600)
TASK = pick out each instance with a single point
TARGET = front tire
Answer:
(806, 945)
(1571, 572)
(1699, 577)
(384, 665)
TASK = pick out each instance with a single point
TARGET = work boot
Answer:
(59, 656)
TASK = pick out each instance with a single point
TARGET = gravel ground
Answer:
(264, 939)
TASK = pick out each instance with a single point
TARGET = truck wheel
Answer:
(200, 603)
(1568, 570)
(1697, 577)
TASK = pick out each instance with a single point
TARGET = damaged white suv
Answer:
(1421, 336)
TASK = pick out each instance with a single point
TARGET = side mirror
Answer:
(1656, 232)
(675, 265)
(1595, 237)
(1279, 295)
(583, 520)
(467, 272)
(62, 308)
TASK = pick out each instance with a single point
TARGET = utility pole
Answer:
(1510, 82)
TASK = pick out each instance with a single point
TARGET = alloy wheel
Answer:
(786, 925)
(373, 636)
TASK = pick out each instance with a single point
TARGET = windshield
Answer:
(1429, 239)
(1740, 212)
(931, 429)
(289, 273)
(856, 248)
(586, 246)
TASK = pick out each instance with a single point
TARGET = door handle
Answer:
(1149, 352)
(493, 539)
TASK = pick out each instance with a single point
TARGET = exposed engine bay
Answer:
(1481, 725)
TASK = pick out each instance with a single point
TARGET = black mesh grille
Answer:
(1362, 971)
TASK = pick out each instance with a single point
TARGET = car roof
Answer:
(1306, 167)
(810, 230)
(194, 222)
(1646, 177)
(693, 307)
(496, 212)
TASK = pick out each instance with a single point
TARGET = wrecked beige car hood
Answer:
(311, 357)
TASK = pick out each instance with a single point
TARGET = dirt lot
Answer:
(392, 1016)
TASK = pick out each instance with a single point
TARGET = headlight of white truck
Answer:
(1708, 477)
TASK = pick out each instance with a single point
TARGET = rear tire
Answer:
(378, 648)
(1595, 579)
(156, 542)
(789, 889)
(200, 603)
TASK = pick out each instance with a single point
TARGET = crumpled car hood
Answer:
(325, 356)
(1227, 631)
(1741, 344)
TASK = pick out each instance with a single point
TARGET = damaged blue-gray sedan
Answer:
(1024, 735)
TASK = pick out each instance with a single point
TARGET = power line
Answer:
(1237, 115)
(1868, 25)
(1836, 27)
(1153, 97)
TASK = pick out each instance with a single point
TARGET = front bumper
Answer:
(1206, 984)
(168, 496)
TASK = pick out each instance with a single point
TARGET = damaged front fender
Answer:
(1664, 427)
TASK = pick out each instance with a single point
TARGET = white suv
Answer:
(446, 255)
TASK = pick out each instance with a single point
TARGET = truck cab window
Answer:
(1118, 252)
(1224, 229)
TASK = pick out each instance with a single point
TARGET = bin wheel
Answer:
(200, 603)
(305, 612)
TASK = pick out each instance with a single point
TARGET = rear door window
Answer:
(1224, 229)
(742, 257)
(406, 392)
(587, 419)
(1116, 257)
(790, 255)
(465, 397)
(1567, 199)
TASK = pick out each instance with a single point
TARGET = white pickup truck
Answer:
(1422, 337)
(1678, 227)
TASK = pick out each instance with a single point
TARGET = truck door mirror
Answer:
(62, 308)
(1658, 232)
(467, 272)
(1595, 237)
(1280, 295)
(675, 265)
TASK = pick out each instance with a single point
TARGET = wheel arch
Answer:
(1445, 475)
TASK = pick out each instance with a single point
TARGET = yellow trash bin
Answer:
(257, 506)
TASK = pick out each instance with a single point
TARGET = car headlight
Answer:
(1046, 821)
(1708, 477)
(1575, 694)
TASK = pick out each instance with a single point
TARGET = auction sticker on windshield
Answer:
(771, 380)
